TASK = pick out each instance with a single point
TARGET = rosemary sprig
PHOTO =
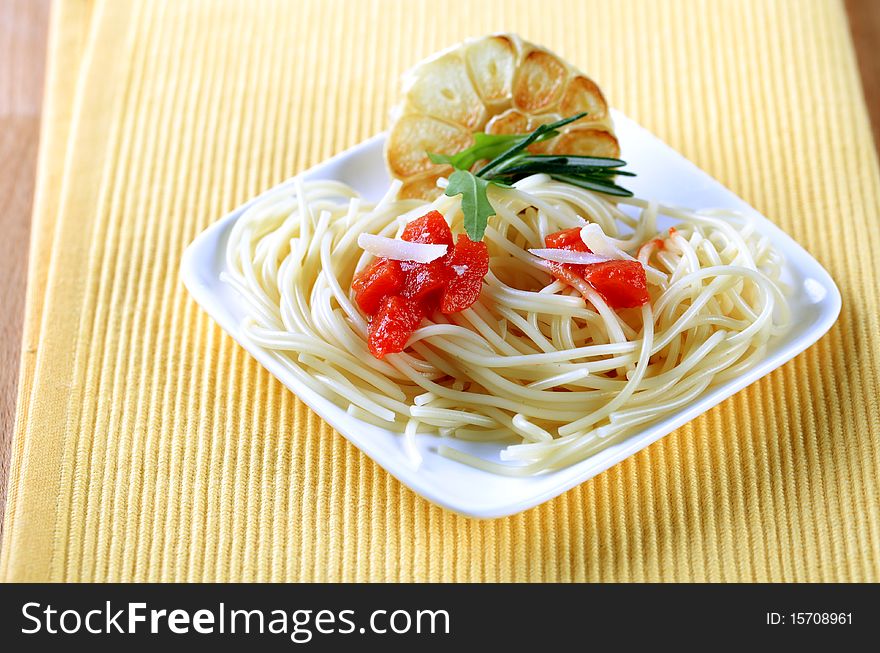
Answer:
(508, 161)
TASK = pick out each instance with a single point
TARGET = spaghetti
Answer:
(540, 365)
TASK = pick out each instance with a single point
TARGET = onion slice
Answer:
(568, 256)
(400, 250)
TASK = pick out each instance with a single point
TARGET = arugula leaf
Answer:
(474, 201)
(486, 146)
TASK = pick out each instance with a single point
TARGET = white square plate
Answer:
(663, 174)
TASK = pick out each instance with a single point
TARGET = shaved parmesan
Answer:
(400, 250)
(568, 256)
(600, 244)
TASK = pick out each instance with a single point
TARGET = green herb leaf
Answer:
(442, 158)
(592, 161)
(540, 134)
(474, 201)
(523, 168)
(598, 185)
(485, 147)
(508, 161)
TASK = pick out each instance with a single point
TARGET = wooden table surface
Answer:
(23, 31)
(23, 34)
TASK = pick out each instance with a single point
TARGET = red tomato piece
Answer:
(424, 281)
(467, 266)
(566, 272)
(567, 239)
(392, 326)
(375, 282)
(431, 228)
(621, 283)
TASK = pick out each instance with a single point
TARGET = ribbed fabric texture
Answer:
(150, 446)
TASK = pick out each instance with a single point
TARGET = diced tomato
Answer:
(567, 239)
(376, 282)
(566, 272)
(431, 228)
(620, 283)
(424, 281)
(398, 294)
(392, 326)
(468, 265)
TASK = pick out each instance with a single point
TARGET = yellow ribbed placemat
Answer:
(153, 448)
